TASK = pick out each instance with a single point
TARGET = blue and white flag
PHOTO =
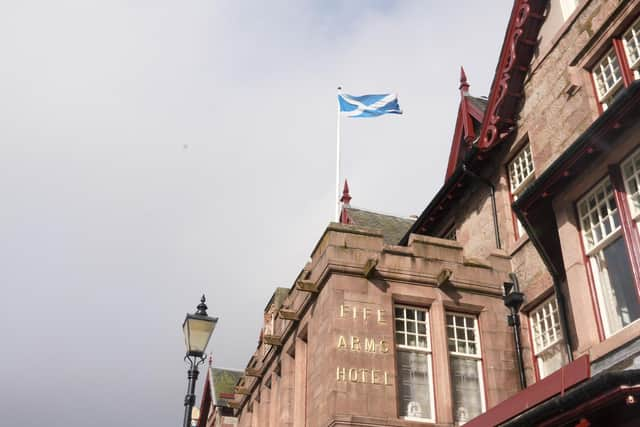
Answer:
(369, 105)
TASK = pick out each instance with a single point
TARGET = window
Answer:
(547, 338)
(608, 78)
(604, 242)
(631, 41)
(619, 67)
(568, 6)
(466, 367)
(450, 234)
(631, 176)
(413, 347)
(520, 176)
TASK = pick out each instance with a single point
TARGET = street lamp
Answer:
(197, 328)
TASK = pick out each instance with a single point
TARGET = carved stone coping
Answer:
(307, 286)
(253, 372)
(369, 267)
(275, 340)
(288, 314)
(443, 277)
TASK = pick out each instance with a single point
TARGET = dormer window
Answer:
(568, 6)
(619, 67)
(521, 174)
(607, 77)
(631, 41)
(450, 234)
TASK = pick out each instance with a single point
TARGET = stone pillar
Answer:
(300, 387)
(286, 391)
(440, 361)
(265, 406)
(275, 398)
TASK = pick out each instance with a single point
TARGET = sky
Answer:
(154, 150)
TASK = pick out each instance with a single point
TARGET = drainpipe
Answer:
(496, 230)
(513, 299)
(555, 275)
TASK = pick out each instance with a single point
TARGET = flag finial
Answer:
(346, 197)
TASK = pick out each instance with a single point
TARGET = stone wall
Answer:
(339, 355)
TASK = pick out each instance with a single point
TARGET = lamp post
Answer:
(197, 328)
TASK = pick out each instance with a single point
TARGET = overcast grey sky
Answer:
(153, 150)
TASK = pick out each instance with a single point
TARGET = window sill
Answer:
(418, 420)
(620, 338)
(518, 244)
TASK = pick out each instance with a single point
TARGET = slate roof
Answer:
(277, 298)
(223, 384)
(393, 228)
(479, 103)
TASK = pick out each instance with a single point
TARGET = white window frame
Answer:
(547, 314)
(631, 42)
(426, 349)
(605, 92)
(518, 182)
(594, 247)
(567, 7)
(477, 355)
(631, 177)
(451, 233)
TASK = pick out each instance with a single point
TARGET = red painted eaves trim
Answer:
(454, 153)
(467, 121)
(594, 404)
(515, 59)
(560, 381)
(205, 402)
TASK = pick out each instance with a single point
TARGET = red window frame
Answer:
(530, 178)
(630, 236)
(625, 68)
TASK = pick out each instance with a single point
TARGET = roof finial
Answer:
(210, 359)
(464, 85)
(346, 197)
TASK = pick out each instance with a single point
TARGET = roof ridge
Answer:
(408, 218)
(226, 369)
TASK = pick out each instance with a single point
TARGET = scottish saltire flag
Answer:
(369, 105)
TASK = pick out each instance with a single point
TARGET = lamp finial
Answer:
(202, 307)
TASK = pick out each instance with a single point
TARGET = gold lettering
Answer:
(381, 319)
(370, 345)
(355, 312)
(353, 375)
(341, 374)
(342, 343)
(364, 373)
(384, 347)
(386, 378)
(374, 378)
(355, 344)
(343, 310)
(365, 312)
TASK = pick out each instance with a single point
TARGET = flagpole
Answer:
(338, 162)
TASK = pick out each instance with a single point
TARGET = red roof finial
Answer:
(346, 197)
(464, 85)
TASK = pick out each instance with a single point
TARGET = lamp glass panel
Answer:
(197, 334)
